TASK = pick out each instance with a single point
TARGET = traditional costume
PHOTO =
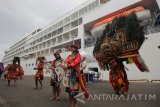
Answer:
(75, 78)
(120, 42)
(39, 74)
(117, 75)
(20, 72)
(57, 70)
(12, 70)
(73, 61)
(57, 75)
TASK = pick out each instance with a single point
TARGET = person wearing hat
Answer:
(39, 74)
(73, 62)
(56, 75)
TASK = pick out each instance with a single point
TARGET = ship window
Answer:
(80, 21)
(74, 24)
(26, 65)
(33, 64)
(89, 7)
(66, 27)
(49, 36)
(54, 33)
(44, 44)
(66, 37)
(41, 39)
(73, 16)
(29, 64)
(67, 20)
(60, 23)
(80, 12)
(49, 29)
(53, 41)
(60, 30)
(59, 39)
(74, 33)
(48, 43)
(54, 26)
(36, 47)
(45, 37)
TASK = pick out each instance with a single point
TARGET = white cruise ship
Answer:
(82, 25)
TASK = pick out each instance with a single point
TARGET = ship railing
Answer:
(152, 30)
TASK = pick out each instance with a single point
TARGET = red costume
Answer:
(74, 64)
(117, 76)
(39, 74)
(12, 71)
(74, 61)
(21, 72)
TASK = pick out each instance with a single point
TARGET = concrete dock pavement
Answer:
(101, 95)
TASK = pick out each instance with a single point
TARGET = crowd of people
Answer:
(63, 71)
(69, 72)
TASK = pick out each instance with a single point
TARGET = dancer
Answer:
(58, 66)
(73, 61)
(20, 73)
(39, 74)
(120, 42)
(12, 70)
(117, 75)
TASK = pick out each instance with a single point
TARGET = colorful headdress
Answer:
(42, 59)
(16, 59)
(123, 37)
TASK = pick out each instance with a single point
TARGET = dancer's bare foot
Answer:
(36, 88)
(52, 98)
(58, 98)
